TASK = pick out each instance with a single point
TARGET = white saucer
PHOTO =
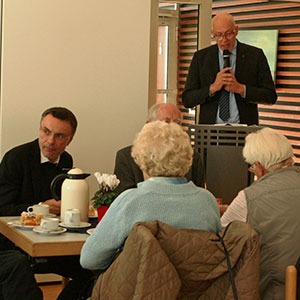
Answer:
(90, 231)
(82, 225)
(17, 223)
(39, 230)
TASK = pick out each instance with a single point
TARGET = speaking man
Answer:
(228, 79)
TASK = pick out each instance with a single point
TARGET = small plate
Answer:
(17, 223)
(39, 230)
(82, 225)
(90, 231)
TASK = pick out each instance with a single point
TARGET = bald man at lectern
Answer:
(228, 79)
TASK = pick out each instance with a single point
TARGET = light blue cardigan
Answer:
(182, 205)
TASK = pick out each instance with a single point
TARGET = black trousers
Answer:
(67, 266)
(14, 262)
(17, 278)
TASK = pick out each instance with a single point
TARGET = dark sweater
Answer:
(24, 181)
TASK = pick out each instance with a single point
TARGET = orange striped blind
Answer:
(256, 14)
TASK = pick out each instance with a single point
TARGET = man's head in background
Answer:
(164, 112)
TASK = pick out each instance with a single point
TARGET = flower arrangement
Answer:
(105, 195)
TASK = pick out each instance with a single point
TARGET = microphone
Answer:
(226, 55)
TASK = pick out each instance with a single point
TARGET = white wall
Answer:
(91, 56)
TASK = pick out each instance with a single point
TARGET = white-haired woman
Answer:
(163, 152)
(271, 205)
(265, 151)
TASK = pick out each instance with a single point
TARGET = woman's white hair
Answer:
(268, 147)
(163, 149)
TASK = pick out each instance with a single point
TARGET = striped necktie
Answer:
(224, 112)
(224, 106)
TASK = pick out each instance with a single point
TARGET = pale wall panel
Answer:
(88, 55)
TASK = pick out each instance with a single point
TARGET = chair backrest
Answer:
(161, 262)
(290, 283)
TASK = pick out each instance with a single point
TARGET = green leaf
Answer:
(103, 199)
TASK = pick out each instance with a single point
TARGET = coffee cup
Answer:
(49, 224)
(39, 209)
(72, 217)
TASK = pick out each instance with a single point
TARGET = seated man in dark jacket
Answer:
(130, 174)
(26, 171)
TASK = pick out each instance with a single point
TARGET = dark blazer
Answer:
(252, 70)
(130, 174)
(21, 177)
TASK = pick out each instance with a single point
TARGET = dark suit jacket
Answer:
(130, 174)
(20, 177)
(252, 70)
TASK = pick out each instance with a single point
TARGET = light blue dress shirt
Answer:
(234, 113)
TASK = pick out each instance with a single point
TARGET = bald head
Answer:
(223, 18)
(224, 30)
(164, 112)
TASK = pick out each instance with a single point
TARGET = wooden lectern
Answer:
(221, 148)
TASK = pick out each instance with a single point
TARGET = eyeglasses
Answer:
(56, 136)
(169, 120)
(228, 35)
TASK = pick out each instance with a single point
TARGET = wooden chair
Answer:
(64, 282)
(290, 283)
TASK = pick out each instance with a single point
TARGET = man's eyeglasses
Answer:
(227, 35)
(168, 120)
(56, 136)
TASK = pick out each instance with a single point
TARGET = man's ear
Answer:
(70, 140)
(261, 171)
(236, 30)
